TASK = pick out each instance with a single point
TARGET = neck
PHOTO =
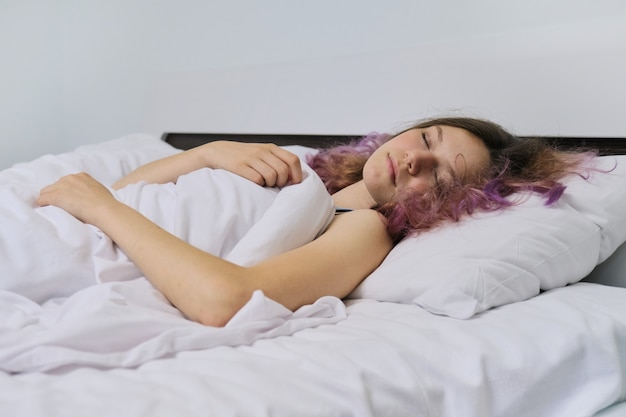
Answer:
(354, 196)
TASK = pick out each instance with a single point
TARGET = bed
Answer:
(515, 314)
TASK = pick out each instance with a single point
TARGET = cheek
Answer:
(416, 186)
(376, 186)
(372, 171)
(411, 192)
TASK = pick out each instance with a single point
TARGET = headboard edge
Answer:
(181, 140)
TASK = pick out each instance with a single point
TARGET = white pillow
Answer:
(602, 200)
(492, 259)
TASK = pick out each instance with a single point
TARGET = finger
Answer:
(45, 194)
(291, 160)
(251, 174)
(42, 199)
(48, 196)
(267, 172)
(285, 164)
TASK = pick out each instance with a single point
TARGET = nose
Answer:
(418, 160)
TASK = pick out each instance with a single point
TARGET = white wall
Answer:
(31, 83)
(77, 71)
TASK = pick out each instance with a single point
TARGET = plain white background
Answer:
(83, 71)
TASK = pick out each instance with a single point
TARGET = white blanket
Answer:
(52, 313)
(560, 354)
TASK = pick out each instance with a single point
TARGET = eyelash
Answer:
(427, 143)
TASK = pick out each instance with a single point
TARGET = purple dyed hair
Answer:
(516, 166)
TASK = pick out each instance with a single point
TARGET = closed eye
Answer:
(427, 143)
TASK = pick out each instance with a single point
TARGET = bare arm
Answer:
(211, 290)
(264, 164)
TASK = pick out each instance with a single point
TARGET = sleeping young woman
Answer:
(392, 186)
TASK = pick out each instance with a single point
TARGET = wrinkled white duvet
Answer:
(70, 297)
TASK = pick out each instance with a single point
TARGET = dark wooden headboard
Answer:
(606, 146)
(191, 140)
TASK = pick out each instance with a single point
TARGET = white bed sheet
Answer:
(617, 410)
(562, 353)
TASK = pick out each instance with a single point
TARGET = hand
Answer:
(263, 163)
(78, 194)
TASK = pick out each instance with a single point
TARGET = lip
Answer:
(393, 169)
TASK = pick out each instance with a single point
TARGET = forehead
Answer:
(469, 153)
(461, 153)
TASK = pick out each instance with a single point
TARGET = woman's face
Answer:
(421, 158)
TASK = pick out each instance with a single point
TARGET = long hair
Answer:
(516, 165)
(342, 165)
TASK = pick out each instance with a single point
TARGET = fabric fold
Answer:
(70, 297)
